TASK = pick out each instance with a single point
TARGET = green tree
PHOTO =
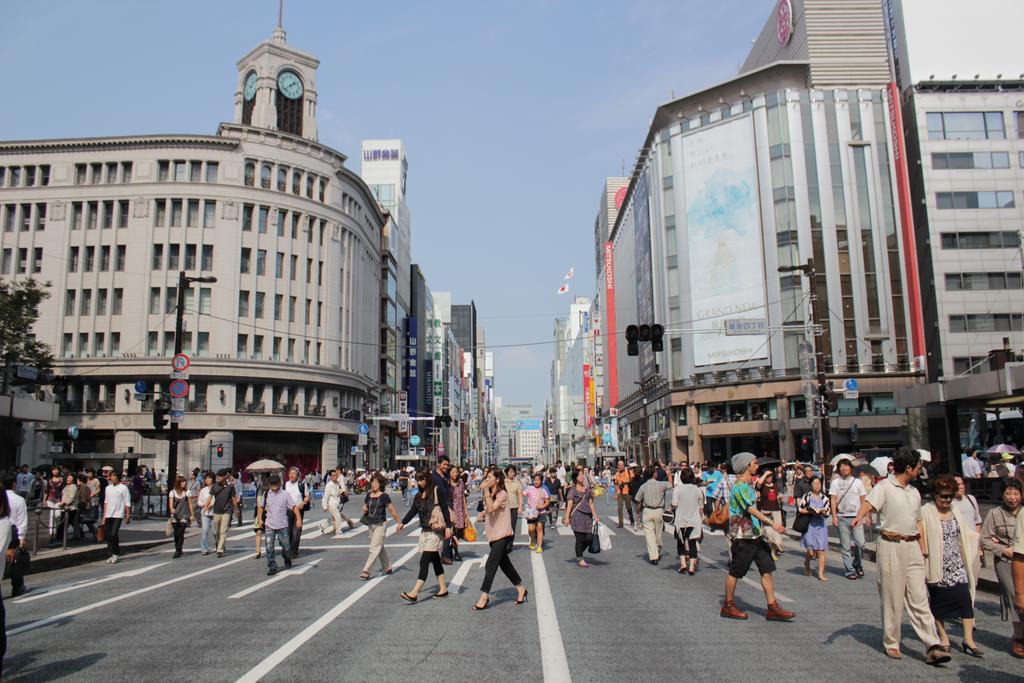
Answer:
(19, 311)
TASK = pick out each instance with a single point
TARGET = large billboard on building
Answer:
(644, 269)
(611, 332)
(724, 228)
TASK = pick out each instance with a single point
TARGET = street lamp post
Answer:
(179, 325)
(820, 407)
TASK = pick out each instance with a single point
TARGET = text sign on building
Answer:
(381, 155)
(740, 326)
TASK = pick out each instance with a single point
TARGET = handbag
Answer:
(595, 540)
(101, 531)
(436, 522)
(801, 524)
(169, 528)
(469, 533)
(604, 537)
(668, 517)
(719, 518)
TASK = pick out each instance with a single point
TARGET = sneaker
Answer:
(539, 550)
(533, 546)
(271, 571)
(114, 559)
(731, 611)
(220, 553)
(287, 563)
(776, 613)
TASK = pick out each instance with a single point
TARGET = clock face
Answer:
(249, 91)
(289, 85)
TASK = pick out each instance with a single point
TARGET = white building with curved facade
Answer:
(284, 346)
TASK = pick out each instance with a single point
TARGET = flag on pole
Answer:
(569, 275)
(563, 289)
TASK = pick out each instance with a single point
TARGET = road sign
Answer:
(72, 432)
(364, 428)
(141, 397)
(178, 404)
(141, 387)
(180, 362)
(178, 388)
(742, 326)
(362, 440)
(414, 440)
(851, 389)
(177, 374)
(177, 416)
(353, 450)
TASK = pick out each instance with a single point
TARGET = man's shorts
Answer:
(748, 552)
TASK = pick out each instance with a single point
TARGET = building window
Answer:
(117, 302)
(282, 178)
(69, 302)
(190, 257)
(163, 170)
(80, 174)
(244, 259)
(104, 258)
(195, 172)
(279, 265)
(90, 259)
(982, 281)
(154, 300)
(980, 240)
(207, 258)
(152, 343)
(99, 344)
(970, 160)
(40, 217)
(205, 296)
(212, 169)
(22, 258)
(250, 173)
(158, 257)
(65, 346)
(209, 213)
(296, 182)
(171, 299)
(294, 267)
(120, 257)
(37, 260)
(93, 208)
(258, 305)
(108, 215)
(977, 125)
(262, 226)
(111, 173)
(987, 322)
(278, 301)
(180, 169)
(192, 214)
(72, 259)
(173, 251)
(126, 171)
(243, 304)
(974, 200)
(247, 217)
(203, 344)
(95, 174)
(265, 173)
(76, 216)
(175, 213)
(86, 307)
(291, 309)
(101, 302)
(122, 214)
(295, 224)
(115, 344)
(261, 261)
(242, 346)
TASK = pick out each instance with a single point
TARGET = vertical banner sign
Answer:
(724, 234)
(592, 410)
(644, 269)
(411, 352)
(428, 383)
(899, 153)
(587, 386)
(611, 382)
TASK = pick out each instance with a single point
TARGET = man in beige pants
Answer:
(899, 557)
(650, 500)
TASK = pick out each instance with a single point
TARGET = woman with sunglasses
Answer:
(950, 547)
(430, 540)
(497, 520)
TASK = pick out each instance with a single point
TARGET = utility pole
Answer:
(179, 324)
(821, 411)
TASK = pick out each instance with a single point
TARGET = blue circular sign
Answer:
(364, 428)
(178, 388)
(414, 440)
(73, 432)
(850, 384)
(141, 387)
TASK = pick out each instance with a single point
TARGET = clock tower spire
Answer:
(277, 86)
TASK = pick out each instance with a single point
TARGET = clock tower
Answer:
(277, 88)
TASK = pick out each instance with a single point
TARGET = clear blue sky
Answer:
(513, 113)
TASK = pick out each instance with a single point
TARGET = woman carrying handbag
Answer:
(497, 519)
(580, 514)
(375, 515)
(179, 509)
(435, 526)
(813, 511)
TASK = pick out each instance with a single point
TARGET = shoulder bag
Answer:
(801, 523)
(719, 518)
(436, 522)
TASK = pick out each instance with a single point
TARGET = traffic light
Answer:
(831, 397)
(657, 333)
(632, 335)
(159, 417)
(645, 333)
(220, 451)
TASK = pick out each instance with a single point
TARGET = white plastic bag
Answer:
(604, 538)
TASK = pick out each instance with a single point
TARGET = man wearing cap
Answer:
(748, 546)
(847, 494)
(900, 556)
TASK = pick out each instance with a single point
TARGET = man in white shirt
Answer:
(299, 495)
(204, 501)
(117, 508)
(19, 519)
(972, 467)
(847, 494)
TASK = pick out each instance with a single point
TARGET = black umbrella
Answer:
(865, 469)
(768, 462)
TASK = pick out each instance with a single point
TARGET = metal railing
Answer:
(286, 409)
(316, 410)
(250, 407)
(197, 406)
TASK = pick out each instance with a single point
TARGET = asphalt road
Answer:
(151, 618)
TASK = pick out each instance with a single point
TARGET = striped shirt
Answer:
(652, 493)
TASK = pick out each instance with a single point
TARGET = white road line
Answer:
(460, 576)
(281, 653)
(274, 579)
(250, 534)
(124, 596)
(745, 579)
(87, 584)
(552, 650)
(524, 529)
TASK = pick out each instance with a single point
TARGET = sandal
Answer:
(365, 576)
(486, 605)
(441, 595)
(410, 598)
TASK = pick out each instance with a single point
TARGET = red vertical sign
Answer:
(899, 153)
(611, 373)
(586, 395)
